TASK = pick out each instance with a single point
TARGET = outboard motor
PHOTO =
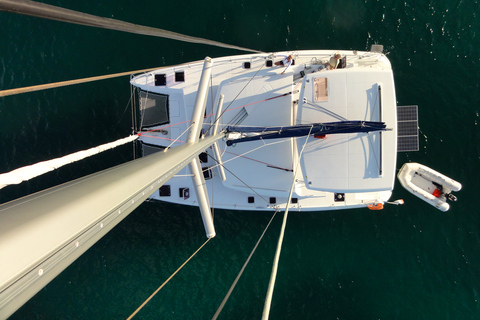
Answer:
(451, 197)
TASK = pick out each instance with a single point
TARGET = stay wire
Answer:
(166, 281)
(238, 179)
(226, 109)
(227, 296)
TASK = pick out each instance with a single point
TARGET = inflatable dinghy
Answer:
(429, 185)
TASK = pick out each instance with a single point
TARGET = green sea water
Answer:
(405, 262)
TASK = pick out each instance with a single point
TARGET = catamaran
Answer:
(329, 131)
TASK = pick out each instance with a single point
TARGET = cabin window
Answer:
(153, 109)
(160, 80)
(184, 193)
(180, 76)
(203, 157)
(207, 173)
(165, 191)
(320, 89)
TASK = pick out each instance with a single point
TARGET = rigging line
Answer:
(259, 147)
(178, 137)
(166, 281)
(134, 121)
(132, 107)
(213, 194)
(249, 104)
(227, 296)
(226, 109)
(279, 96)
(41, 10)
(271, 284)
(52, 85)
(209, 115)
(328, 112)
(218, 164)
(154, 137)
(267, 164)
(211, 95)
(163, 127)
(141, 104)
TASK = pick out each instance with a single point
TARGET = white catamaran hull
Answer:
(338, 171)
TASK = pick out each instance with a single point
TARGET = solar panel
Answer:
(407, 125)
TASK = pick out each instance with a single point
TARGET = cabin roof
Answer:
(349, 162)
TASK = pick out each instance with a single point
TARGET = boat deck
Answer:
(340, 171)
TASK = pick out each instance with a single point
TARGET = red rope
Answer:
(265, 163)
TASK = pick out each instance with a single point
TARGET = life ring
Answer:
(378, 206)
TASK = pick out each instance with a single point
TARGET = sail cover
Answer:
(257, 133)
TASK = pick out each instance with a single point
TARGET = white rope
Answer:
(273, 276)
(29, 172)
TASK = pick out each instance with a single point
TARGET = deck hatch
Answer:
(320, 89)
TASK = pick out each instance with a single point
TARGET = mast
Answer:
(43, 233)
(193, 136)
